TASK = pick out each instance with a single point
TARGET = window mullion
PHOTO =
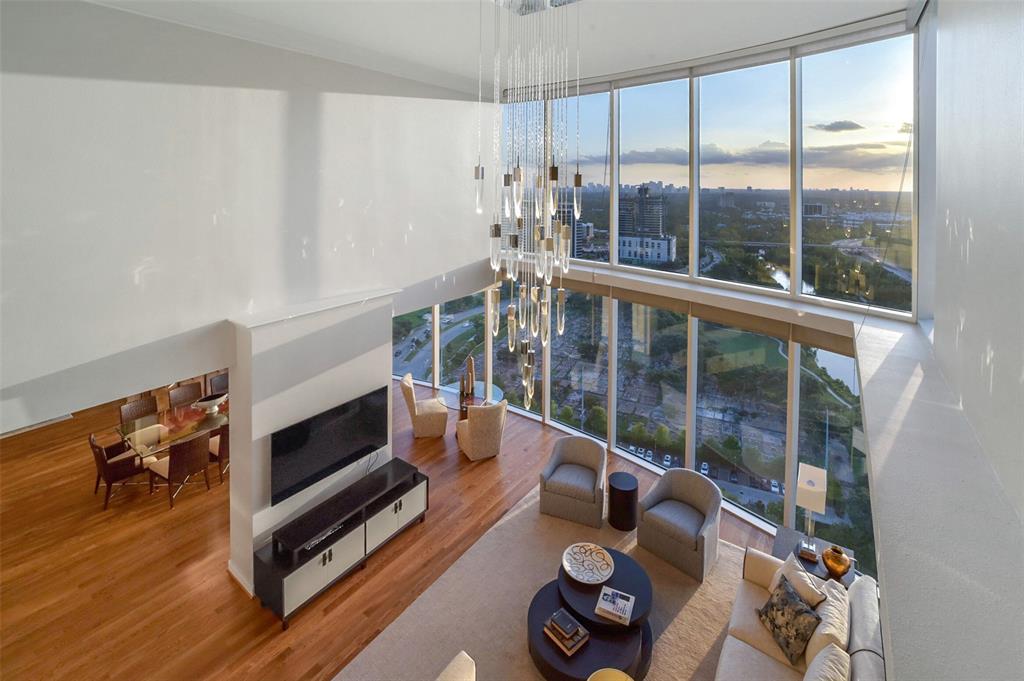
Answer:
(613, 190)
(795, 178)
(435, 379)
(612, 334)
(792, 433)
(694, 160)
(690, 454)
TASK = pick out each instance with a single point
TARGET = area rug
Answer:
(479, 605)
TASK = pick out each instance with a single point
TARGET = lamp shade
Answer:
(811, 488)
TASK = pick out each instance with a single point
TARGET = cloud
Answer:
(670, 155)
(767, 153)
(837, 126)
(867, 156)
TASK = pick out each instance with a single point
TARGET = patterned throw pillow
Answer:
(790, 619)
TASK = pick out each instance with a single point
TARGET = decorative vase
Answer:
(836, 562)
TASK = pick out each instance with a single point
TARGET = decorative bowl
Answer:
(836, 562)
(211, 403)
(588, 563)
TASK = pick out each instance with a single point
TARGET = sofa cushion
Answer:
(676, 519)
(740, 661)
(806, 584)
(831, 664)
(572, 480)
(834, 612)
(790, 619)
(866, 665)
(745, 624)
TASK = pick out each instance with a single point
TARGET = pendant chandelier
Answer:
(535, 204)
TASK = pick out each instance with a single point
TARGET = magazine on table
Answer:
(614, 605)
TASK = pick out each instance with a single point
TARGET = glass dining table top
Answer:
(155, 433)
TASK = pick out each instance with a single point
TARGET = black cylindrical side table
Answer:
(622, 497)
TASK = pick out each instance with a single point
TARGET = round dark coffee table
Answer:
(628, 577)
(626, 648)
(622, 498)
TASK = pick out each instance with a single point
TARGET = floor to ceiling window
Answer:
(462, 335)
(651, 391)
(507, 373)
(741, 416)
(579, 365)
(744, 175)
(590, 232)
(831, 438)
(411, 344)
(654, 166)
(858, 112)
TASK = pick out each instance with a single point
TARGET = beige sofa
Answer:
(750, 652)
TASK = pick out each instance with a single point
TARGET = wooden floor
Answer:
(142, 592)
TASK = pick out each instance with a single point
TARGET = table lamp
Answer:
(810, 493)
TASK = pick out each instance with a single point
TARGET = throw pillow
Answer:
(789, 619)
(831, 664)
(834, 612)
(806, 584)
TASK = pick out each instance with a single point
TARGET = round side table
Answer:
(622, 501)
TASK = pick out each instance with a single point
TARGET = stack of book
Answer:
(566, 632)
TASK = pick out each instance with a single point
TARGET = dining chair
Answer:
(220, 450)
(115, 463)
(136, 409)
(185, 459)
(219, 383)
(186, 393)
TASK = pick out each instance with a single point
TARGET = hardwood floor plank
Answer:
(142, 591)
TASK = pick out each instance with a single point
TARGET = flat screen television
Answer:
(310, 450)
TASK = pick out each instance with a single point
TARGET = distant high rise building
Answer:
(641, 214)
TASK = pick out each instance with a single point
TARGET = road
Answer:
(419, 364)
(869, 254)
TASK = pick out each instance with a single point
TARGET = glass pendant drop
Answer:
(549, 260)
(545, 322)
(512, 257)
(517, 191)
(560, 311)
(511, 327)
(495, 246)
(522, 306)
(478, 177)
(506, 195)
(552, 190)
(495, 312)
(566, 239)
(577, 194)
(538, 198)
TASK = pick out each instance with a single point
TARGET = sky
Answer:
(857, 104)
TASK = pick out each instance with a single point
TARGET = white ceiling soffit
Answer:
(435, 41)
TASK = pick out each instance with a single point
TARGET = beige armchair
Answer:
(429, 417)
(479, 434)
(572, 484)
(679, 520)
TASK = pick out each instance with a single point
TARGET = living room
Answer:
(567, 339)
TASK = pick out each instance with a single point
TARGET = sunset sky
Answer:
(857, 103)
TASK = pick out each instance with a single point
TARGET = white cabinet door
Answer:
(309, 579)
(381, 526)
(412, 504)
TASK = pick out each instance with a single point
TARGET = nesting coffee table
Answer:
(623, 647)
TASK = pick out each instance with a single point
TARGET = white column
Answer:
(796, 182)
(613, 370)
(792, 434)
(690, 457)
(694, 184)
(488, 343)
(613, 190)
(436, 342)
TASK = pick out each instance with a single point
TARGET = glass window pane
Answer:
(651, 409)
(413, 351)
(744, 175)
(654, 176)
(590, 232)
(858, 173)
(831, 437)
(579, 365)
(507, 376)
(741, 416)
(462, 335)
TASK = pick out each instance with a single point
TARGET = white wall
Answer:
(979, 308)
(292, 364)
(158, 180)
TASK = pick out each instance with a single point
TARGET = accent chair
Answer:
(429, 416)
(572, 484)
(679, 521)
(479, 434)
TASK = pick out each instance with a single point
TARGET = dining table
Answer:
(153, 434)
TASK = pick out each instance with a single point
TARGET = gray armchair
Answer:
(679, 520)
(572, 484)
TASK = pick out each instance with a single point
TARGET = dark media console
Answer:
(321, 546)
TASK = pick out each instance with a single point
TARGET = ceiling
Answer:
(435, 41)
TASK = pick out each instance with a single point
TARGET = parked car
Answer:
(704, 468)
(667, 460)
(775, 487)
(632, 450)
(734, 476)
